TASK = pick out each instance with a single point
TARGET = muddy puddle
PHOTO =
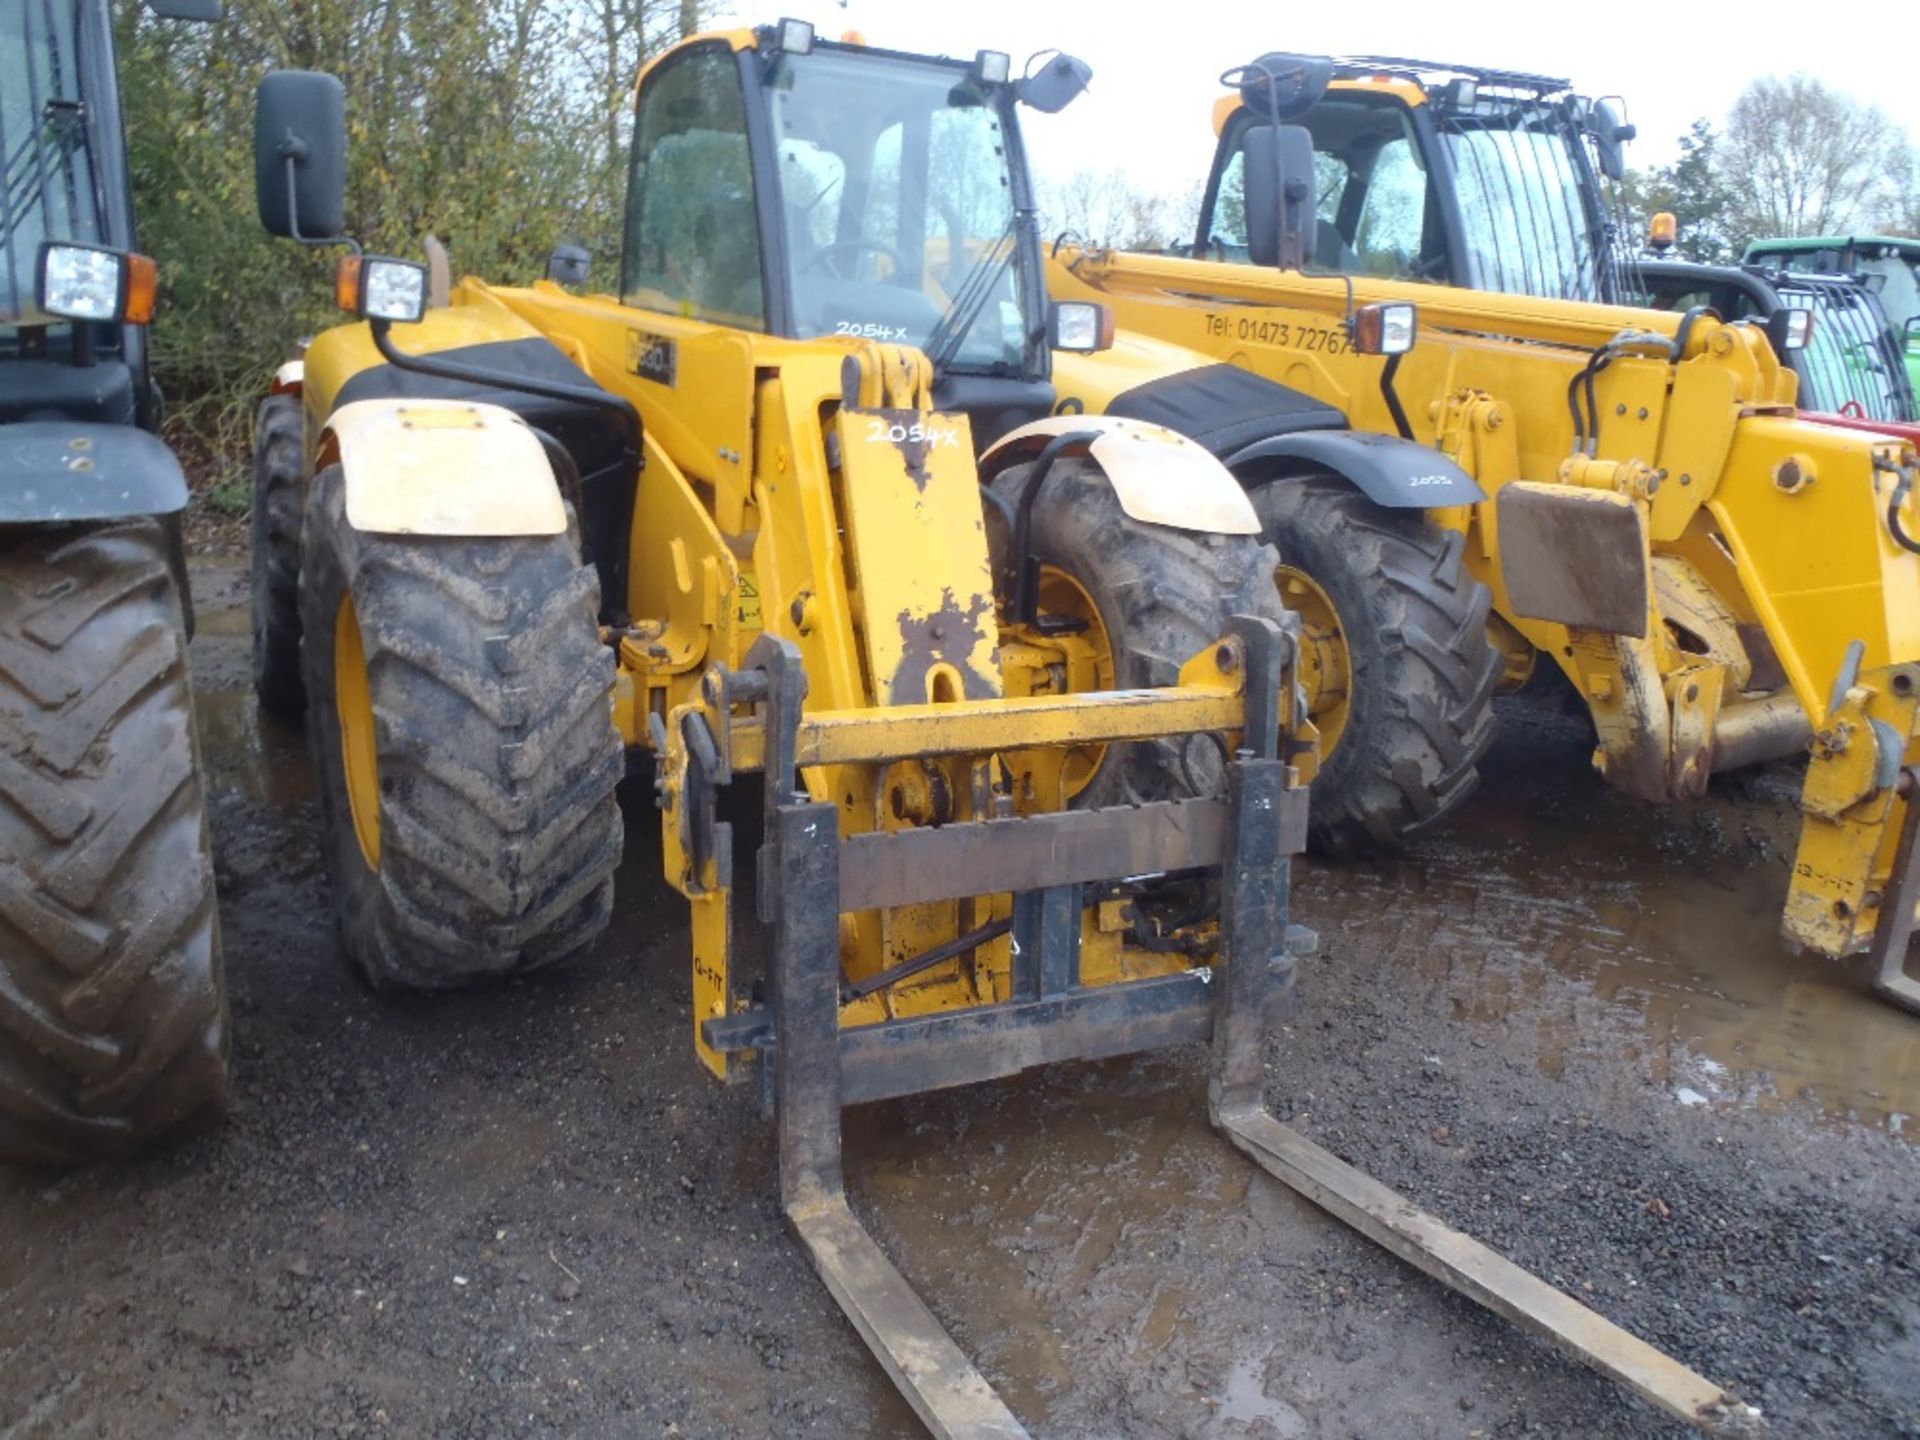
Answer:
(1087, 1213)
(1596, 925)
(1621, 932)
(265, 759)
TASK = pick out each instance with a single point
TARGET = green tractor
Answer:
(1889, 264)
(113, 1013)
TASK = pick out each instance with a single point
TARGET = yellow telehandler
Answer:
(1723, 581)
(1020, 691)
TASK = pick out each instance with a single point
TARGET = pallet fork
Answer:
(815, 1066)
(1892, 949)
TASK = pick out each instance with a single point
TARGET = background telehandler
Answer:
(1021, 693)
(113, 1013)
(1518, 173)
(1722, 580)
(1851, 368)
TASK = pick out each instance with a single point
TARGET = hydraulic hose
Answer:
(1894, 527)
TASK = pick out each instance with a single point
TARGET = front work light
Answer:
(1082, 327)
(94, 282)
(379, 287)
(1385, 329)
(992, 67)
(1789, 329)
(793, 37)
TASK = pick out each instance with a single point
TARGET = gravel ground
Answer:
(1566, 1027)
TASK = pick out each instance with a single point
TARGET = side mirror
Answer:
(300, 154)
(1280, 85)
(1610, 134)
(1056, 84)
(1281, 214)
(570, 264)
(1080, 327)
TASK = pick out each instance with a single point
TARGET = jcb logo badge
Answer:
(651, 357)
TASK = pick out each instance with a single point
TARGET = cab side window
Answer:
(1371, 193)
(692, 237)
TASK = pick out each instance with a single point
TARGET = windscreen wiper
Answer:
(26, 174)
(968, 301)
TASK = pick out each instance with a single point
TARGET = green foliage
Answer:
(230, 497)
(497, 125)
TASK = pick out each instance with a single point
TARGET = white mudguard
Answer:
(444, 467)
(1160, 476)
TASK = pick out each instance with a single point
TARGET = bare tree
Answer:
(1104, 207)
(1900, 212)
(1806, 160)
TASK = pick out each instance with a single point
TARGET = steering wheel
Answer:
(818, 259)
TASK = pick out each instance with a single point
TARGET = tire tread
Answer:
(113, 1013)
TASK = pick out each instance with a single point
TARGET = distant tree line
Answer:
(1793, 158)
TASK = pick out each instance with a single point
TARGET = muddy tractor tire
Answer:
(1387, 605)
(113, 1010)
(461, 724)
(279, 470)
(1154, 597)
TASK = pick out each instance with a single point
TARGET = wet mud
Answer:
(1566, 1025)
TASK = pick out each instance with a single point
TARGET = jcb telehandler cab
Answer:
(113, 1017)
(1497, 180)
(1022, 697)
(1722, 580)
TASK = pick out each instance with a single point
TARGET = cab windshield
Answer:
(1523, 201)
(1528, 221)
(1896, 279)
(897, 202)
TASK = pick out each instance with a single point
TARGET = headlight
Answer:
(1082, 326)
(381, 288)
(1385, 329)
(93, 282)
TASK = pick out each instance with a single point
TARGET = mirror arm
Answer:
(295, 150)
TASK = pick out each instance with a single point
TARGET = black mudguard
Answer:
(1248, 420)
(1394, 474)
(60, 471)
(1225, 408)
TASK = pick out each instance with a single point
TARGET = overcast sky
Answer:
(1155, 66)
